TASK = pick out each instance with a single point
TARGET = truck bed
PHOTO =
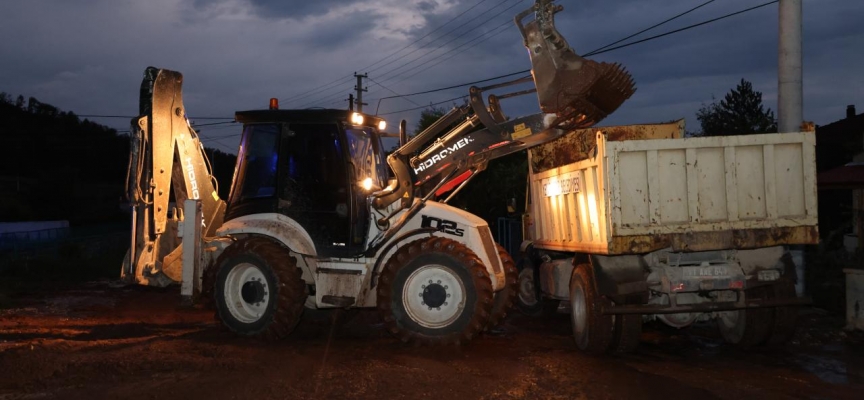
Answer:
(690, 194)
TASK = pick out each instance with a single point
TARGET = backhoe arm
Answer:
(165, 154)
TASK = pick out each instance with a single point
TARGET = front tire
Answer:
(435, 291)
(258, 289)
(504, 298)
(592, 330)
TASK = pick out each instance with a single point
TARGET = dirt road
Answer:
(97, 341)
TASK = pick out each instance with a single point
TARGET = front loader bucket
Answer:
(579, 91)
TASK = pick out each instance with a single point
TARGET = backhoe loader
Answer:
(314, 218)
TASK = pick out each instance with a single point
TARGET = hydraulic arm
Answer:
(165, 154)
(573, 93)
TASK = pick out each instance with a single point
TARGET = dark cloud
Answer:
(353, 28)
(427, 6)
(88, 56)
(280, 9)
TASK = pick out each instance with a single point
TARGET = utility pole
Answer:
(351, 102)
(790, 106)
(360, 89)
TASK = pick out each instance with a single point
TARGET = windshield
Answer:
(366, 156)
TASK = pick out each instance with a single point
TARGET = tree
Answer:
(740, 112)
(428, 117)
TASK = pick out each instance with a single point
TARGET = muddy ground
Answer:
(98, 340)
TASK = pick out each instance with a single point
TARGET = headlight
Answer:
(357, 118)
(367, 183)
(382, 125)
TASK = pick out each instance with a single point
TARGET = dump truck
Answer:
(637, 223)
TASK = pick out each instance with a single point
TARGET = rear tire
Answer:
(628, 332)
(785, 318)
(746, 328)
(592, 330)
(435, 291)
(258, 289)
(504, 298)
(529, 297)
(208, 287)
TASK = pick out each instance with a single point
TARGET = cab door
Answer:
(314, 187)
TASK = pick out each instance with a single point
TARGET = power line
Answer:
(449, 87)
(652, 27)
(430, 105)
(217, 128)
(440, 60)
(136, 116)
(390, 90)
(457, 86)
(606, 48)
(600, 50)
(213, 123)
(320, 88)
(220, 138)
(682, 29)
(329, 97)
(451, 40)
(436, 30)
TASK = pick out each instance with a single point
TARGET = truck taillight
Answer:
(274, 103)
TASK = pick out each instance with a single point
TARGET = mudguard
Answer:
(463, 227)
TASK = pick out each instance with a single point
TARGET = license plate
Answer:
(710, 271)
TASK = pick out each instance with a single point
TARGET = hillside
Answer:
(54, 165)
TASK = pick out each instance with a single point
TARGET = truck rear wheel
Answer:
(785, 318)
(435, 291)
(529, 298)
(258, 289)
(592, 330)
(504, 298)
(628, 332)
(746, 328)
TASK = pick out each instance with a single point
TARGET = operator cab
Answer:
(316, 167)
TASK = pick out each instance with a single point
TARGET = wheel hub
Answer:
(527, 291)
(246, 292)
(252, 292)
(579, 310)
(434, 295)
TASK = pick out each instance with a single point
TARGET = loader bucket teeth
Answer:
(579, 91)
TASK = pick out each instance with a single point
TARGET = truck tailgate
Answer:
(691, 194)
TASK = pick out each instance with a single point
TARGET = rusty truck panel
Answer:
(578, 144)
(688, 194)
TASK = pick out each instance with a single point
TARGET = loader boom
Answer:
(573, 92)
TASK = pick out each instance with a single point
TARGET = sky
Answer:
(88, 56)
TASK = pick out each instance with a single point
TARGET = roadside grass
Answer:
(61, 266)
